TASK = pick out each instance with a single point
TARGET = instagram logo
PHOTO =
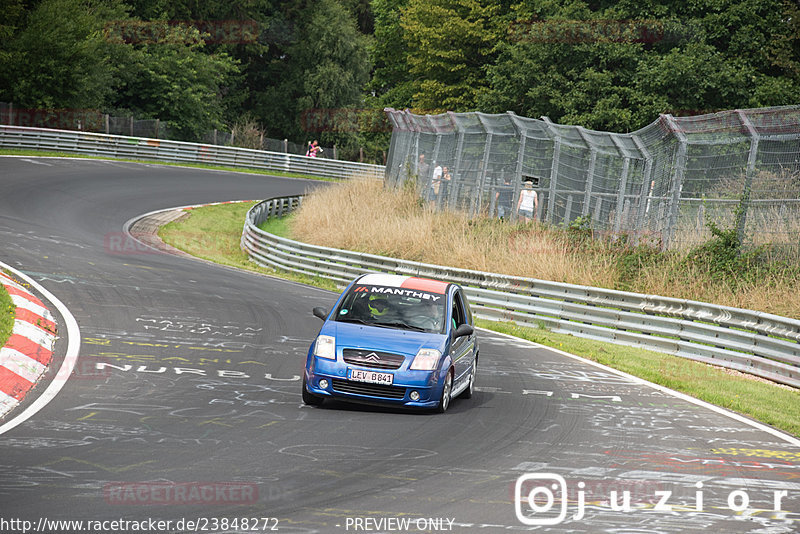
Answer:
(540, 499)
(540, 491)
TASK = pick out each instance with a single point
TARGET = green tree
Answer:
(562, 59)
(173, 80)
(58, 56)
(322, 71)
(13, 12)
(391, 80)
(450, 42)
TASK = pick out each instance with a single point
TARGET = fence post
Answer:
(518, 170)
(457, 167)
(568, 209)
(646, 184)
(107, 121)
(416, 153)
(131, 125)
(551, 201)
(623, 184)
(286, 146)
(741, 216)
(678, 171)
(587, 196)
(158, 127)
(436, 147)
(476, 195)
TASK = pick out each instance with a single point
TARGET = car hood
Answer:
(394, 340)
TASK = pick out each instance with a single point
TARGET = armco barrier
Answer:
(117, 146)
(753, 342)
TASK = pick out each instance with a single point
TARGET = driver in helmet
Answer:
(378, 306)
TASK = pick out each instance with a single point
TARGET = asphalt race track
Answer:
(185, 403)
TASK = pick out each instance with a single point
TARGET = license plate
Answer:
(373, 377)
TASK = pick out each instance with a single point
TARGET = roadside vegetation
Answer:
(367, 217)
(213, 233)
(7, 314)
(326, 70)
(406, 220)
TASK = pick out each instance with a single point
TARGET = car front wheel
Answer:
(309, 398)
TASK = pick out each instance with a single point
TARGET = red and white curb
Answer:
(29, 349)
(69, 330)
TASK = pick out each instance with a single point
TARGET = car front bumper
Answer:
(426, 383)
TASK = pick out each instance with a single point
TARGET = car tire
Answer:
(447, 389)
(471, 387)
(309, 398)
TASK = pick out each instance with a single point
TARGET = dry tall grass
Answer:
(364, 216)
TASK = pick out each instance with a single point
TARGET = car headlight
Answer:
(426, 360)
(325, 347)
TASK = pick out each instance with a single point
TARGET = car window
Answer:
(393, 307)
(467, 310)
(459, 316)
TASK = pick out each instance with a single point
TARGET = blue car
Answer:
(394, 340)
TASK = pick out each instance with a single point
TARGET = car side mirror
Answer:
(320, 312)
(463, 330)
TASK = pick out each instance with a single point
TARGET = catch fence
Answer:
(89, 120)
(659, 184)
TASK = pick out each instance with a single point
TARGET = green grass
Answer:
(43, 153)
(213, 233)
(279, 226)
(761, 400)
(7, 313)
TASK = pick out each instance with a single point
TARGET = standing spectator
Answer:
(435, 182)
(503, 198)
(313, 149)
(423, 169)
(444, 187)
(528, 203)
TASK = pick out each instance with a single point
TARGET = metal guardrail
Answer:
(753, 342)
(117, 146)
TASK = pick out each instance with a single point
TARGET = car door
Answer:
(461, 349)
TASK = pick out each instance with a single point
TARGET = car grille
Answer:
(373, 390)
(373, 359)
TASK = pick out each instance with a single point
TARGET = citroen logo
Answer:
(372, 357)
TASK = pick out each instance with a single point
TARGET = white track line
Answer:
(722, 411)
(70, 359)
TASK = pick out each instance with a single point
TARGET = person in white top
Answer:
(528, 203)
(435, 182)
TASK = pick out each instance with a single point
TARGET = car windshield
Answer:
(393, 307)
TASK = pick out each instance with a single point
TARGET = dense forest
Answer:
(326, 68)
